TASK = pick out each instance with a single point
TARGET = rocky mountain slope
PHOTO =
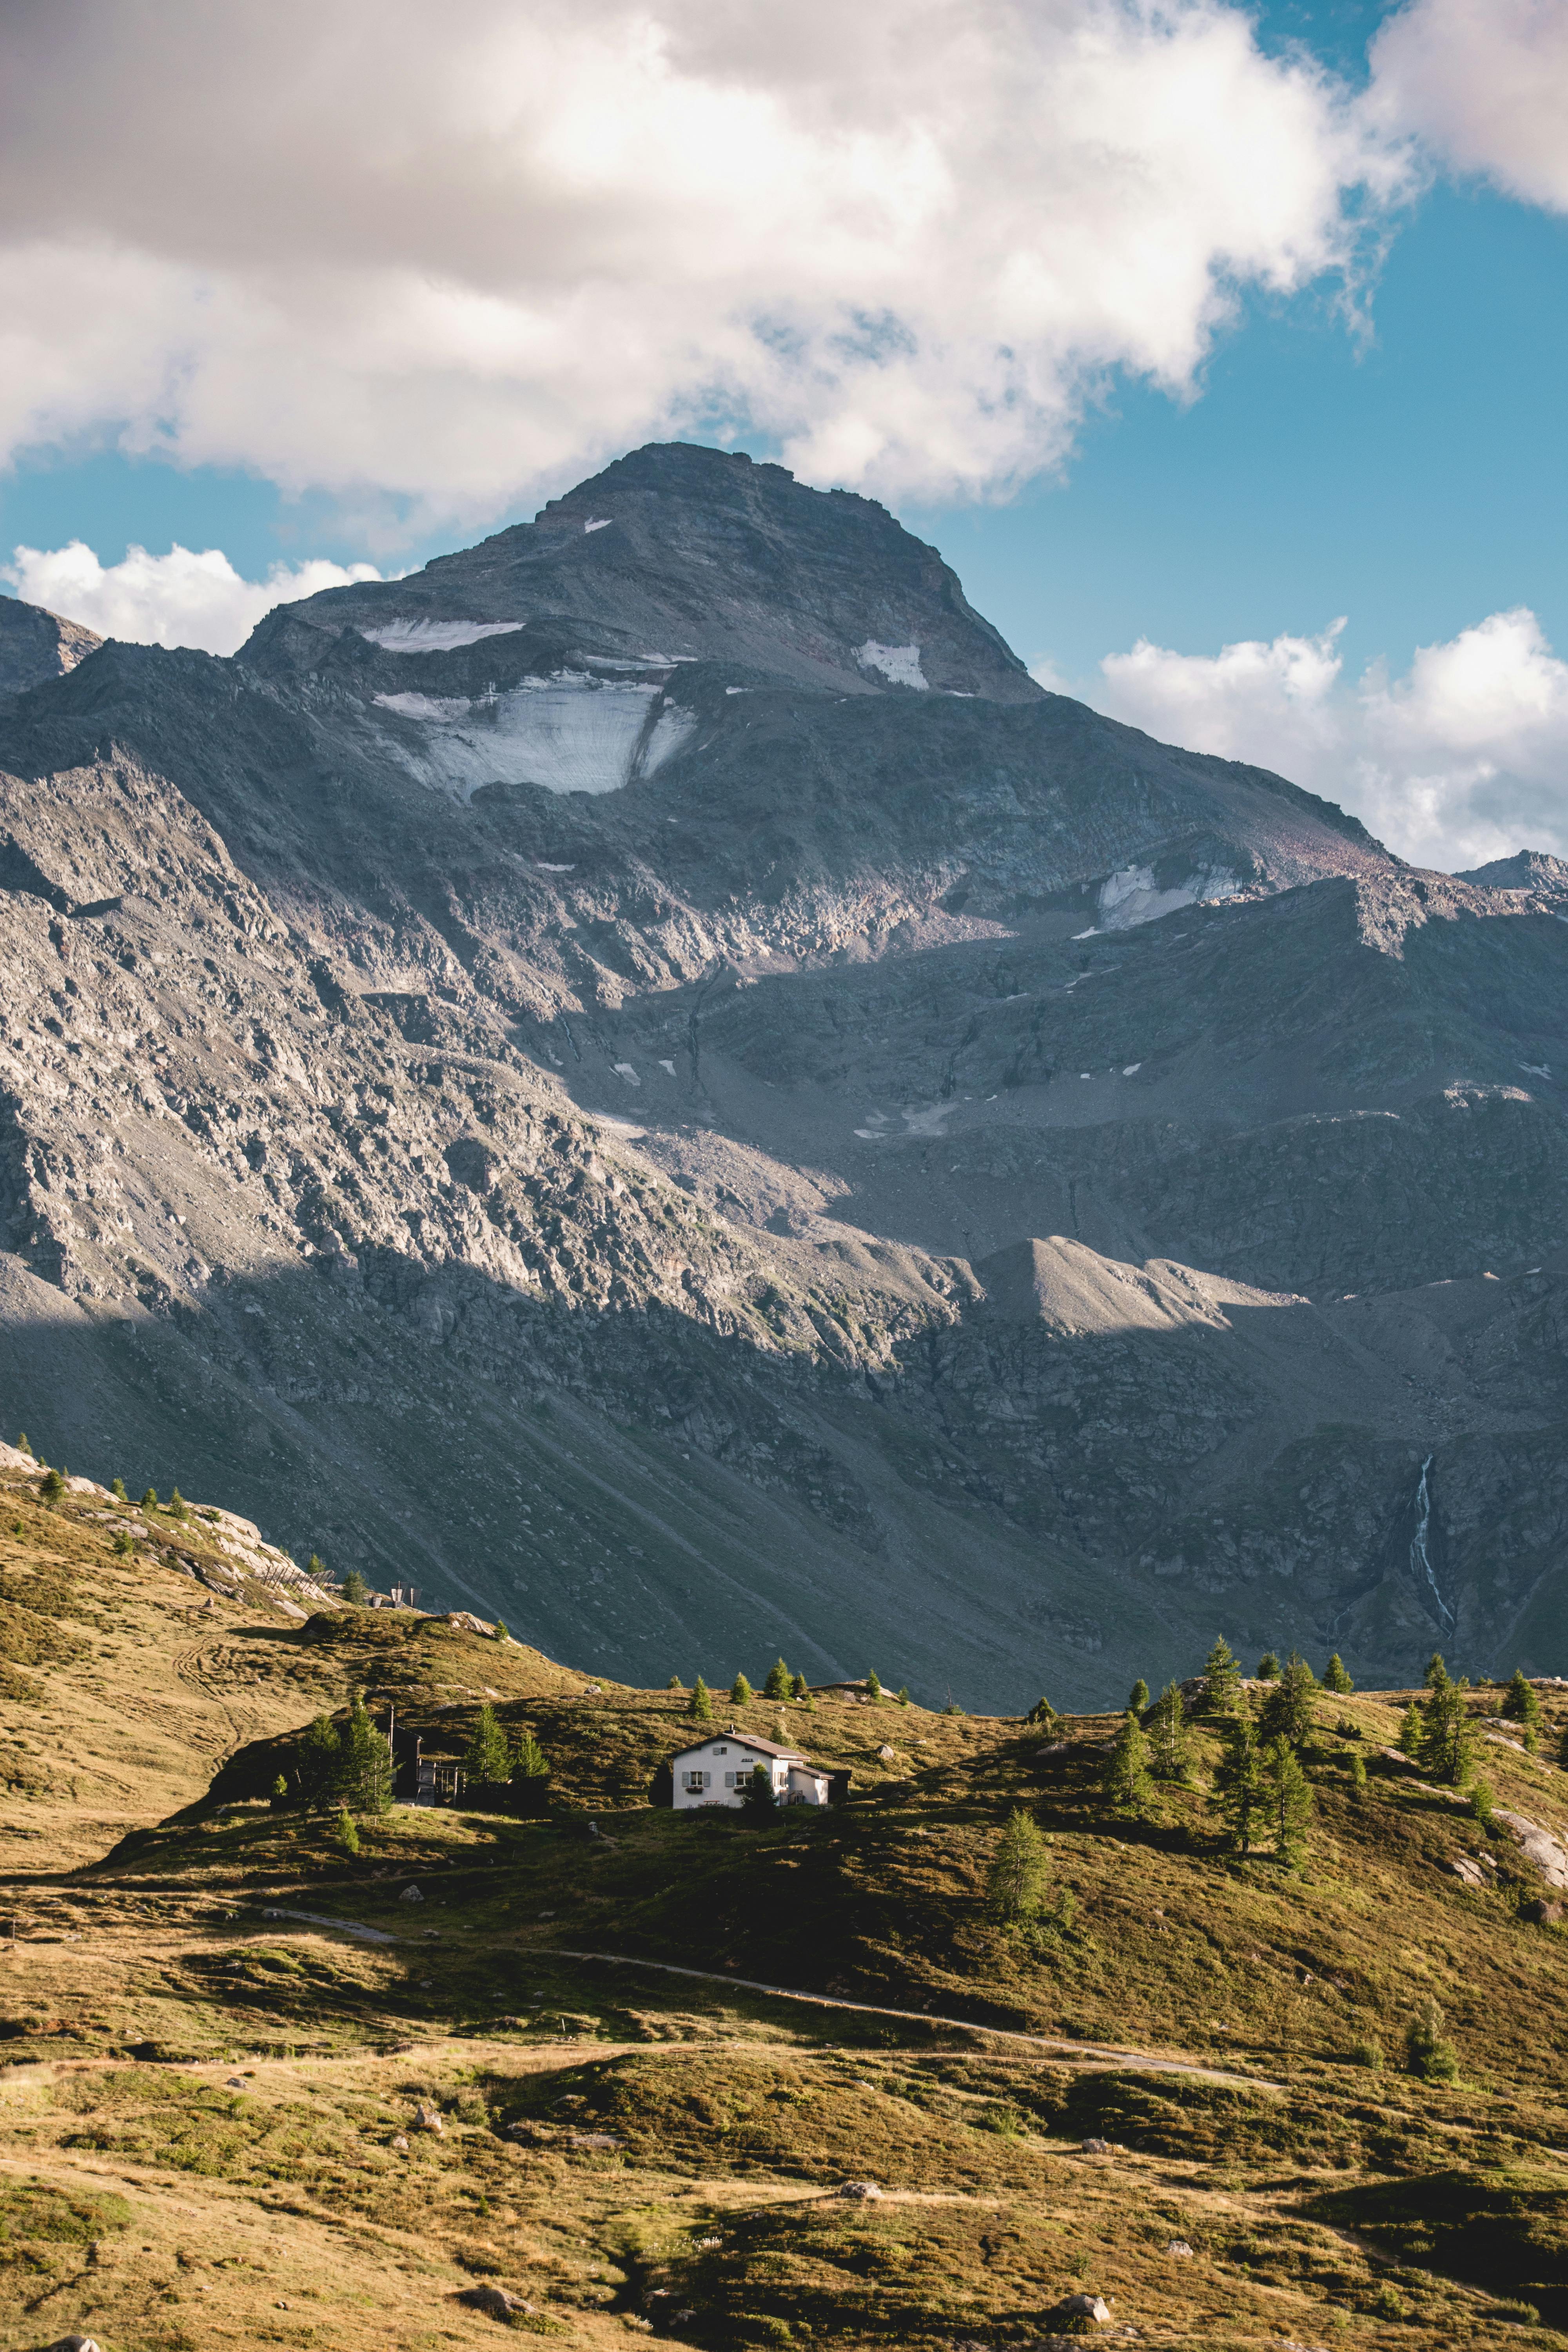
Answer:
(647, 1079)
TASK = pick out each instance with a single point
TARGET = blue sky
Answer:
(1410, 475)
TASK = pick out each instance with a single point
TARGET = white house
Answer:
(716, 1771)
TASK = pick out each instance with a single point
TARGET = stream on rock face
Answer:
(1420, 1559)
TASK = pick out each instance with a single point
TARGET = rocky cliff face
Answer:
(649, 1079)
(36, 644)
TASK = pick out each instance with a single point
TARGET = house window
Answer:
(695, 1781)
(721, 1751)
(729, 1779)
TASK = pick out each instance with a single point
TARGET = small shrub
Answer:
(1389, 2303)
(348, 1836)
(1357, 1778)
(1427, 2054)
(1368, 2053)
(51, 1487)
(1482, 1802)
(150, 1499)
(118, 1491)
(122, 1546)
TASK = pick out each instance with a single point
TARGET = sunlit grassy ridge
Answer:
(212, 2097)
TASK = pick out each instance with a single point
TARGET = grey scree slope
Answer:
(649, 1079)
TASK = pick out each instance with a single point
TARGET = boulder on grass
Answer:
(1076, 2311)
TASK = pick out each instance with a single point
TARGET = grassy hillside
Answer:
(220, 2027)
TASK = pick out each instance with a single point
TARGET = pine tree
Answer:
(1289, 1801)
(1358, 1779)
(150, 1499)
(51, 1487)
(364, 1771)
(1238, 1783)
(1126, 1775)
(530, 1762)
(1336, 1679)
(1138, 1697)
(118, 1491)
(315, 1567)
(740, 1692)
(1043, 1713)
(873, 1688)
(485, 1758)
(758, 1796)
(500, 1632)
(280, 1793)
(318, 1762)
(1288, 1708)
(675, 1684)
(122, 1546)
(355, 1588)
(904, 1698)
(1169, 1742)
(701, 1707)
(177, 1505)
(1411, 1731)
(1447, 1740)
(1020, 1872)
(1436, 1675)
(22, 1444)
(348, 1836)
(1482, 1802)
(1268, 1667)
(800, 1687)
(1221, 1678)
(1519, 1703)
(779, 1681)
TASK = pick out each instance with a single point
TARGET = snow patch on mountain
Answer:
(1131, 896)
(569, 733)
(899, 665)
(436, 636)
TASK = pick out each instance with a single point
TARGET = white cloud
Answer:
(1463, 758)
(439, 258)
(1485, 83)
(178, 599)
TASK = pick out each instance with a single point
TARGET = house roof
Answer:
(744, 1739)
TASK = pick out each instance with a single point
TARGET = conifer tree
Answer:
(177, 1505)
(279, 1795)
(1519, 1703)
(778, 1682)
(1289, 1799)
(530, 1762)
(500, 1632)
(701, 1707)
(1436, 1674)
(1288, 1708)
(1447, 1741)
(22, 1444)
(675, 1684)
(1268, 1667)
(1482, 1802)
(757, 1796)
(364, 1771)
(1138, 1697)
(904, 1698)
(1020, 1872)
(740, 1692)
(1411, 1731)
(118, 1491)
(1169, 1742)
(1238, 1791)
(348, 1836)
(799, 1687)
(1427, 2054)
(356, 1589)
(51, 1487)
(150, 1499)
(318, 1761)
(1358, 1779)
(1126, 1775)
(485, 1758)
(874, 1687)
(1336, 1679)
(1221, 1678)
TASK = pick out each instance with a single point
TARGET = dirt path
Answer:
(1142, 2060)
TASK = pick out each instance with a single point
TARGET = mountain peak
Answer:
(36, 644)
(692, 554)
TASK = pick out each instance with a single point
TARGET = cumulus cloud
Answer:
(442, 258)
(1463, 758)
(178, 599)
(1485, 83)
